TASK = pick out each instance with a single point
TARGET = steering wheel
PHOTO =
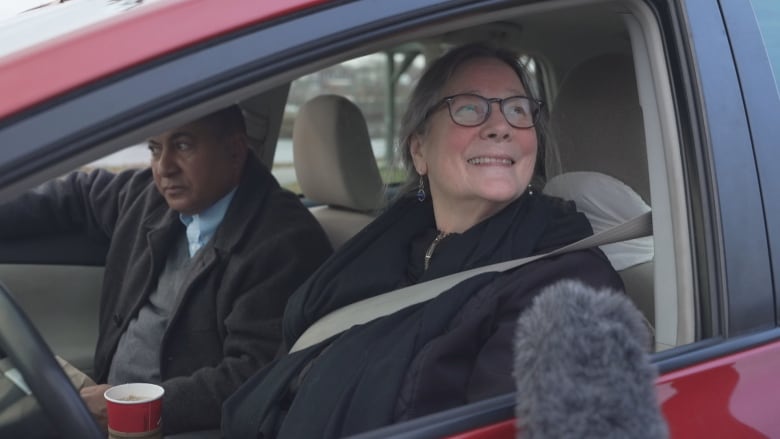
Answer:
(44, 376)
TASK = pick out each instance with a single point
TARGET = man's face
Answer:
(195, 165)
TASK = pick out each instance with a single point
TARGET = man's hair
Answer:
(227, 121)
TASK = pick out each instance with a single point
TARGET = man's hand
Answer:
(93, 398)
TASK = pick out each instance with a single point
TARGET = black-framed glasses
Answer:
(470, 110)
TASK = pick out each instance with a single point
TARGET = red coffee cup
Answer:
(134, 410)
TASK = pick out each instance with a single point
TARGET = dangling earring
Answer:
(421, 190)
(530, 189)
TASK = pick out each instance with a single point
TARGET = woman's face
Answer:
(483, 167)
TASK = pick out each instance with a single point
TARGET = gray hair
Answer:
(428, 92)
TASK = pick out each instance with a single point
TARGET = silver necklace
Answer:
(429, 253)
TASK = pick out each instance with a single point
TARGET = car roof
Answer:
(37, 21)
(123, 41)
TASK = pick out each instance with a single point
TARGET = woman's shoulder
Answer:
(563, 224)
(513, 291)
(556, 205)
(589, 266)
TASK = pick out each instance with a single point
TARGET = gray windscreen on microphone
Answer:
(582, 367)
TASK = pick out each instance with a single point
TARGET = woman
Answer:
(471, 141)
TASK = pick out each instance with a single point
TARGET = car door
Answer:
(729, 382)
(57, 280)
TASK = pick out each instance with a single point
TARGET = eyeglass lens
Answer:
(473, 110)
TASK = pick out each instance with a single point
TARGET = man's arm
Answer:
(78, 202)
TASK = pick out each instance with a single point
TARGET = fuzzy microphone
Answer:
(582, 368)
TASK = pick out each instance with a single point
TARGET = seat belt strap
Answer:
(384, 304)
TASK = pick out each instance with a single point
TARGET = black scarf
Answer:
(350, 383)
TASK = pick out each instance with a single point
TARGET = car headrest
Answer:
(334, 161)
(606, 202)
(597, 121)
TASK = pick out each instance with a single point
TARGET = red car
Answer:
(678, 99)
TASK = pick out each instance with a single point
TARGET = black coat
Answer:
(228, 322)
(443, 353)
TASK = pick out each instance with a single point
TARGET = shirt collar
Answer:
(201, 226)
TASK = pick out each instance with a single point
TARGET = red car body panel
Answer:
(737, 396)
(58, 66)
(500, 430)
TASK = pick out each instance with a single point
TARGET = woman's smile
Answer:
(491, 161)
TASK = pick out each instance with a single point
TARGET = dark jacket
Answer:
(449, 351)
(228, 322)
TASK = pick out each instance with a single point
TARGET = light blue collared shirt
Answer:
(201, 226)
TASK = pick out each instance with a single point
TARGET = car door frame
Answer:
(762, 105)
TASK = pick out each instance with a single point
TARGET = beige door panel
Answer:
(62, 301)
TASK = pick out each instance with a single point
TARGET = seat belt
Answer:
(366, 310)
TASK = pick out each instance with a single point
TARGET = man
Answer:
(205, 248)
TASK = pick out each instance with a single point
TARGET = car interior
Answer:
(601, 71)
(600, 67)
(335, 165)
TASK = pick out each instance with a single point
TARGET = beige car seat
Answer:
(597, 125)
(335, 165)
(608, 202)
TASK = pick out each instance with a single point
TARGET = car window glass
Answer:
(132, 157)
(367, 81)
(768, 15)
